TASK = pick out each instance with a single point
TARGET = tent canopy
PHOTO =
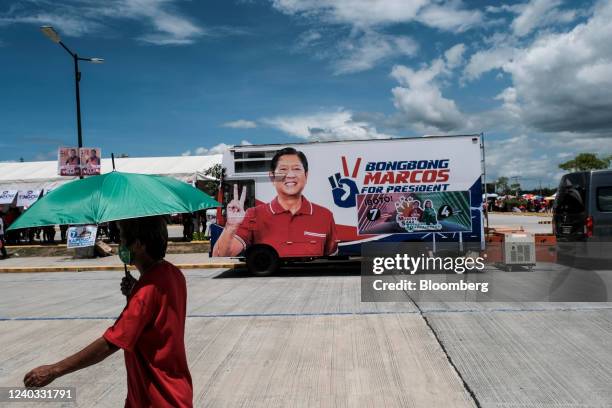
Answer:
(43, 175)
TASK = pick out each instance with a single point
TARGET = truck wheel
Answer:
(262, 261)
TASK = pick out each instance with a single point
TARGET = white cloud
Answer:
(510, 106)
(561, 81)
(216, 149)
(521, 156)
(163, 23)
(338, 125)
(535, 158)
(308, 39)
(170, 28)
(240, 124)
(513, 8)
(67, 24)
(367, 46)
(540, 13)
(450, 16)
(362, 13)
(487, 60)
(365, 51)
(419, 98)
(454, 56)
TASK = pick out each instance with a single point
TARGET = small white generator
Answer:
(519, 250)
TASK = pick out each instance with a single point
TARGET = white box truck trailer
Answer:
(390, 190)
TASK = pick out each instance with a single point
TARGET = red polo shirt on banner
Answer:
(311, 231)
(151, 332)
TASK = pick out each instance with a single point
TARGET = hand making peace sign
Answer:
(235, 208)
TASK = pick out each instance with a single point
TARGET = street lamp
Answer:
(54, 36)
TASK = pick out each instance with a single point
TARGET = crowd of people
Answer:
(197, 224)
(194, 225)
(519, 204)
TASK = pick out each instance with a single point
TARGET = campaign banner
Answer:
(90, 161)
(27, 198)
(447, 211)
(81, 236)
(68, 161)
(7, 196)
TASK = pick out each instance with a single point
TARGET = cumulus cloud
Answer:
(216, 149)
(535, 158)
(561, 81)
(524, 157)
(445, 15)
(419, 98)
(487, 60)
(337, 125)
(362, 13)
(454, 56)
(450, 16)
(163, 23)
(240, 124)
(540, 13)
(366, 45)
(365, 51)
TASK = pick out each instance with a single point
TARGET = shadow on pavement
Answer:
(308, 269)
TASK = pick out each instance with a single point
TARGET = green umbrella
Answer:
(113, 196)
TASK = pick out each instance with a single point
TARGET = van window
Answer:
(604, 199)
(571, 197)
(570, 201)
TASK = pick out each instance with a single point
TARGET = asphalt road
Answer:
(304, 338)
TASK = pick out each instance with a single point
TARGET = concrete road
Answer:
(529, 223)
(304, 339)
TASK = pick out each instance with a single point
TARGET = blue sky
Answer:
(189, 77)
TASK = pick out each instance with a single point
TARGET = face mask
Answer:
(125, 255)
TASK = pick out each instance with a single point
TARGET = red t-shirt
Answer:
(311, 231)
(151, 331)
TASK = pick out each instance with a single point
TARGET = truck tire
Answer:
(262, 260)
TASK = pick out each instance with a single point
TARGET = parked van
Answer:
(582, 215)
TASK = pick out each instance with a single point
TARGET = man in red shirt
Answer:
(150, 329)
(290, 223)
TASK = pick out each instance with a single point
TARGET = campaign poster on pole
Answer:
(81, 236)
(68, 161)
(27, 198)
(90, 161)
(7, 196)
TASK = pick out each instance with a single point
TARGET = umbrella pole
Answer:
(127, 275)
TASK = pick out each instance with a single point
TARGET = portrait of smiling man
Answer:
(290, 223)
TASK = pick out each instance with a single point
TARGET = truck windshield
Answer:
(571, 196)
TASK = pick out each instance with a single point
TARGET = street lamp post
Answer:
(54, 36)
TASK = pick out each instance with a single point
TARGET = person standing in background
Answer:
(2, 243)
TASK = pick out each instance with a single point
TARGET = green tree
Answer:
(214, 171)
(211, 187)
(585, 162)
(502, 186)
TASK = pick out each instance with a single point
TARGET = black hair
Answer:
(152, 232)
(288, 151)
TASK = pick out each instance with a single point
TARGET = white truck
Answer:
(391, 190)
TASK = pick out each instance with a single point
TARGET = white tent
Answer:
(42, 175)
